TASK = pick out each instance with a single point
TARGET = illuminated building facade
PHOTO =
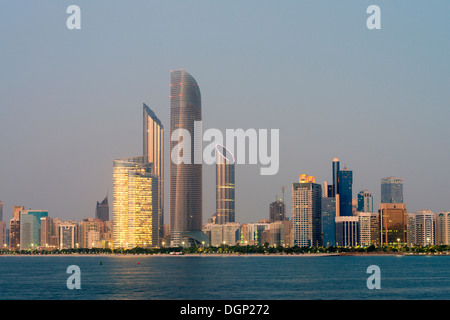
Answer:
(442, 228)
(30, 228)
(186, 203)
(135, 204)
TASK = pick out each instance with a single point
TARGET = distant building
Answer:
(278, 234)
(277, 211)
(442, 228)
(424, 229)
(328, 221)
(393, 223)
(30, 228)
(90, 232)
(46, 233)
(255, 231)
(102, 210)
(3, 235)
(347, 231)
(391, 190)
(368, 228)
(306, 213)
(1, 211)
(67, 235)
(345, 192)
(14, 233)
(365, 201)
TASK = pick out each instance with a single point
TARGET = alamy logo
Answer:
(237, 141)
(374, 281)
(74, 281)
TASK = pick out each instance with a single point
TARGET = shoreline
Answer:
(341, 254)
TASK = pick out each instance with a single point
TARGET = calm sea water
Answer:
(220, 278)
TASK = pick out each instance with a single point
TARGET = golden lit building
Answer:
(135, 204)
(393, 223)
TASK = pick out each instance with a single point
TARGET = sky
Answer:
(71, 100)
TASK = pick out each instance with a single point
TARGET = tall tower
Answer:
(186, 203)
(391, 190)
(335, 188)
(306, 213)
(135, 204)
(345, 192)
(153, 132)
(225, 187)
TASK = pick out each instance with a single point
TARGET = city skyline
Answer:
(380, 132)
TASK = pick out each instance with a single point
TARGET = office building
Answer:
(67, 235)
(135, 204)
(277, 211)
(17, 210)
(14, 233)
(90, 231)
(186, 204)
(30, 228)
(255, 231)
(365, 201)
(345, 192)
(225, 187)
(391, 190)
(46, 233)
(153, 138)
(347, 231)
(1, 211)
(442, 228)
(393, 223)
(368, 228)
(306, 213)
(424, 229)
(3, 235)
(328, 221)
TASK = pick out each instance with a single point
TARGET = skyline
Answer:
(383, 91)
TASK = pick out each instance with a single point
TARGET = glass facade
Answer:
(328, 221)
(347, 231)
(102, 210)
(153, 131)
(135, 204)
(186, 203)
(225, 190)
(345, 192)
(391, 190)
(365, 201)
(30, 228)
(393, 223)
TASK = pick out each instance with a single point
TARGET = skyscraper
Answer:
(424, 229)
(102, 210)
(225, 187)
(1, 211)
(392, 190)
(153, 131)
(186, 203)
(365, 201)
(328, 221)
(335, 172)
(306, 212)
(135, 204)
(345, 192)
(393, 222)
(442, 228)
(277, 211)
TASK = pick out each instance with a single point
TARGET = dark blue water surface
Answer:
(228, 277)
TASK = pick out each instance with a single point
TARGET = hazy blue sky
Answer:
(71, 100)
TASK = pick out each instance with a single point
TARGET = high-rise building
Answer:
(328, 221)
(393, 223)
(335, 172)
(16, 211)
(347, 231)
(102, 210)
(392, 190)
(30, 228)
(46, 233)
(255, 231)
(369, 233)
(186, 204)
(135, 204)
(306, 213)
(442, 228)
(279, 233)
(424, 229)
(225, 187)
(1, 211)
(3, 235)
(153, 131)
(277, 211)
(14, 233)
(89, 231)
(365, 201)
(345, 192)
(67, 235)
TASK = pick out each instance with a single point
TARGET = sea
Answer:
(203, 277)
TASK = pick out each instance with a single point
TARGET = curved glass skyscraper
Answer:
(186, 206)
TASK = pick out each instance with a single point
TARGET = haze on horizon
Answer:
(71, 100)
